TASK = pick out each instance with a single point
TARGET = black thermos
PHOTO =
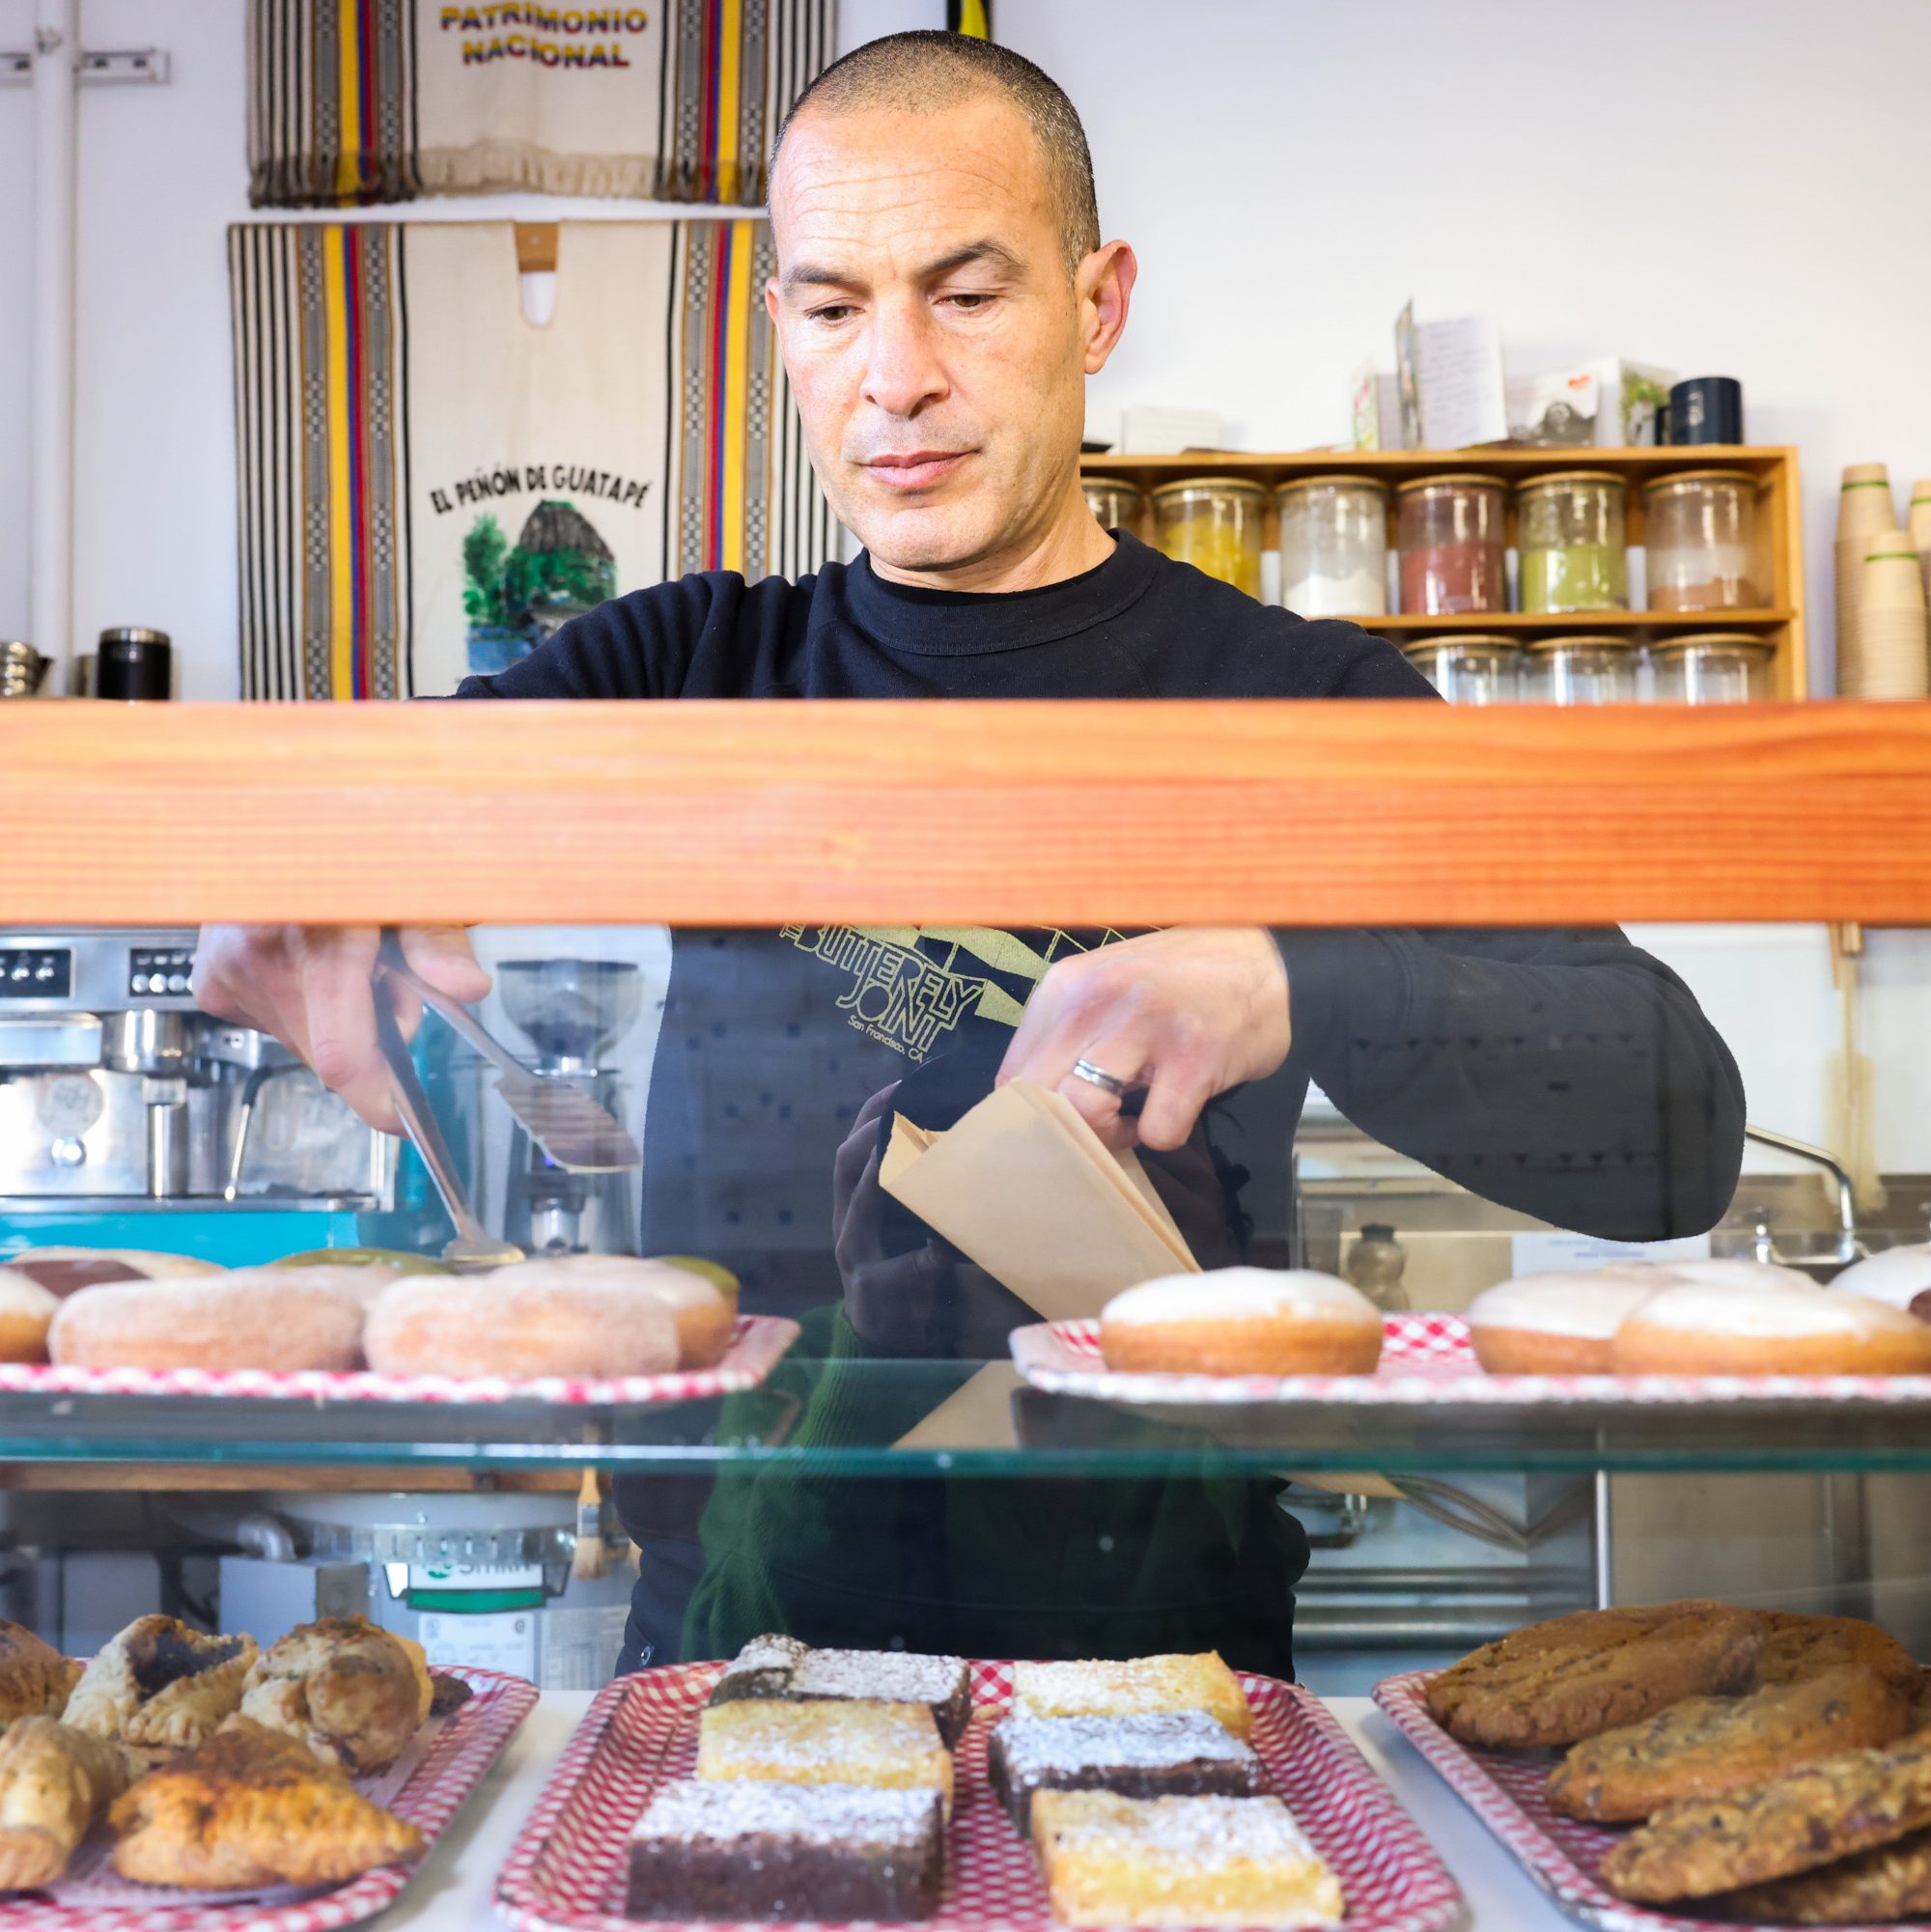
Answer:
(133, 663)
(1706, 409)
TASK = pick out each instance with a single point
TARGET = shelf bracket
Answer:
(117, 67)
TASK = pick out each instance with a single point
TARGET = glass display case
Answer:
(791, 951)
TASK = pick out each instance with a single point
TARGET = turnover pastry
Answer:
(354, 1692)
(252, 1807)
(1705, 1746)
(161, 1684)
(54, 1782)
(1574, 1677)
(35, 1678)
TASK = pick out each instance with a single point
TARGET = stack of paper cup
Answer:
(1919, 523)
(1864, 510)
(1893, 660)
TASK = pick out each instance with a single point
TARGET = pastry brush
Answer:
(559, 1115)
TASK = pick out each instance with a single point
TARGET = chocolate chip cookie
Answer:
(1797, 1648)
(1829, 1810)
(1871, 1888)
(1574, 1677)
(1707, 1745)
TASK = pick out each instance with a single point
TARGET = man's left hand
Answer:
(1185, 1014)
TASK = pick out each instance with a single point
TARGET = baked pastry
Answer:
(1705, 1746)
(750, 1849)
(1199, 1681)
(1112, 1861)
(1242, 1321)
(26, 1313)
(354, 1692)
(252, 1807)
(1577, 1676)
(1796, 1648)
(396, 1260)
(704, 1313)
(779, 1666)
(1899, 1277)
(1155, 1755)
(254, 1318)
(1793, 1822)
(160, 1683)
(1784, 1328)
(1735, 1271)
(64, 1269)
(892, 1747)
(35, 1679)
(1560, 1324)
(481, 1325)
(1870, 1889)
(54, 1782)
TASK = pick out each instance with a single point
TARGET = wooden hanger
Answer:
(536, 247)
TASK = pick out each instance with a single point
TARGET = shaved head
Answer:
(928, 72)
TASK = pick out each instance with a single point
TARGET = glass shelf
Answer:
(877, 1419)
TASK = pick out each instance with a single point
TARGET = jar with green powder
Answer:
(1570, 542)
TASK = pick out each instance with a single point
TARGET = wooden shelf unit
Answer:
(1779, 528)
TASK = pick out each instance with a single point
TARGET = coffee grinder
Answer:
(574, 1011)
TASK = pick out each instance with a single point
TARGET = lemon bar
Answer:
(1099, 1689)
(888, 1747)
(1113, 1860)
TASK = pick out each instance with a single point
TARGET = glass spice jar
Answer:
(1450, 530)
(1333, 546)
(1712, 667)
(1568, 539)
(1114, 501)
(1470, 669)
(1215, 524)
(1700, 540)
(1576, 670)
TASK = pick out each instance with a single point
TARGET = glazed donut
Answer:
(1557, 1324)
(1897, 1275)
(705, 1315)
(252, 1318)
(546, 1324)
(1242, 1321)
(1739, 1270)
(1716, 1327)
(26, 1313)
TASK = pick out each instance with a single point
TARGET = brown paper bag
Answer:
(1024, 1188)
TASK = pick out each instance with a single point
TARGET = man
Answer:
(942, 293)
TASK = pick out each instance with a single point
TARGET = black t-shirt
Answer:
(1566, 1073)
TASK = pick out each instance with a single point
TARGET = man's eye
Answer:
(831, 312)
(969, 300)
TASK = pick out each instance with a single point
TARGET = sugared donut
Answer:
(1243, 1321)
(1897, 1275)
(550, 1321)
(1741, 1272)
(704, 1314)
(253, 1318)
(26, 1313)
(1716, 1328)
(1557, 1324)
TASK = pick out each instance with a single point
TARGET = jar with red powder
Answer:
(1452, 536)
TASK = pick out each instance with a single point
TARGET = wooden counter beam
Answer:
(883, 813)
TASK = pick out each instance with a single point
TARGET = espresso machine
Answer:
(117, 1097)
(574, 1011)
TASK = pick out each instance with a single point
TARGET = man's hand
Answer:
(1185, 1013)
(310, 986)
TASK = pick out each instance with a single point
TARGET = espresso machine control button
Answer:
(67, 1152)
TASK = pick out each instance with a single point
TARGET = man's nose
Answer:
(905, 372)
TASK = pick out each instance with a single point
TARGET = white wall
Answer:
(1723, 186)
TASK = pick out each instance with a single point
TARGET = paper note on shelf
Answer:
(1023, 1187)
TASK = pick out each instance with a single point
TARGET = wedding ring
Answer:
(1098, 1076)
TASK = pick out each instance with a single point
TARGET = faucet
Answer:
(1847, 1193)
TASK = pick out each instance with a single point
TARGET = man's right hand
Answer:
(312, 988)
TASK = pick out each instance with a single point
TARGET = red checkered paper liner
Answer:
(1426, 1360)
(1504, 1790)
(757, 1344)
(462, 1750)
(567, 1873)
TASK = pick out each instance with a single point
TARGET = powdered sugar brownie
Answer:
(1153, 1754)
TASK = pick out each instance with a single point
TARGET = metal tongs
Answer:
(560, 1116)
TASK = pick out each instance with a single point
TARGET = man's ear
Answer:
(772, 300)
(1104, 286)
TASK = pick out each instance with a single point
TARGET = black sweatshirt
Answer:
(1565, 1074)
